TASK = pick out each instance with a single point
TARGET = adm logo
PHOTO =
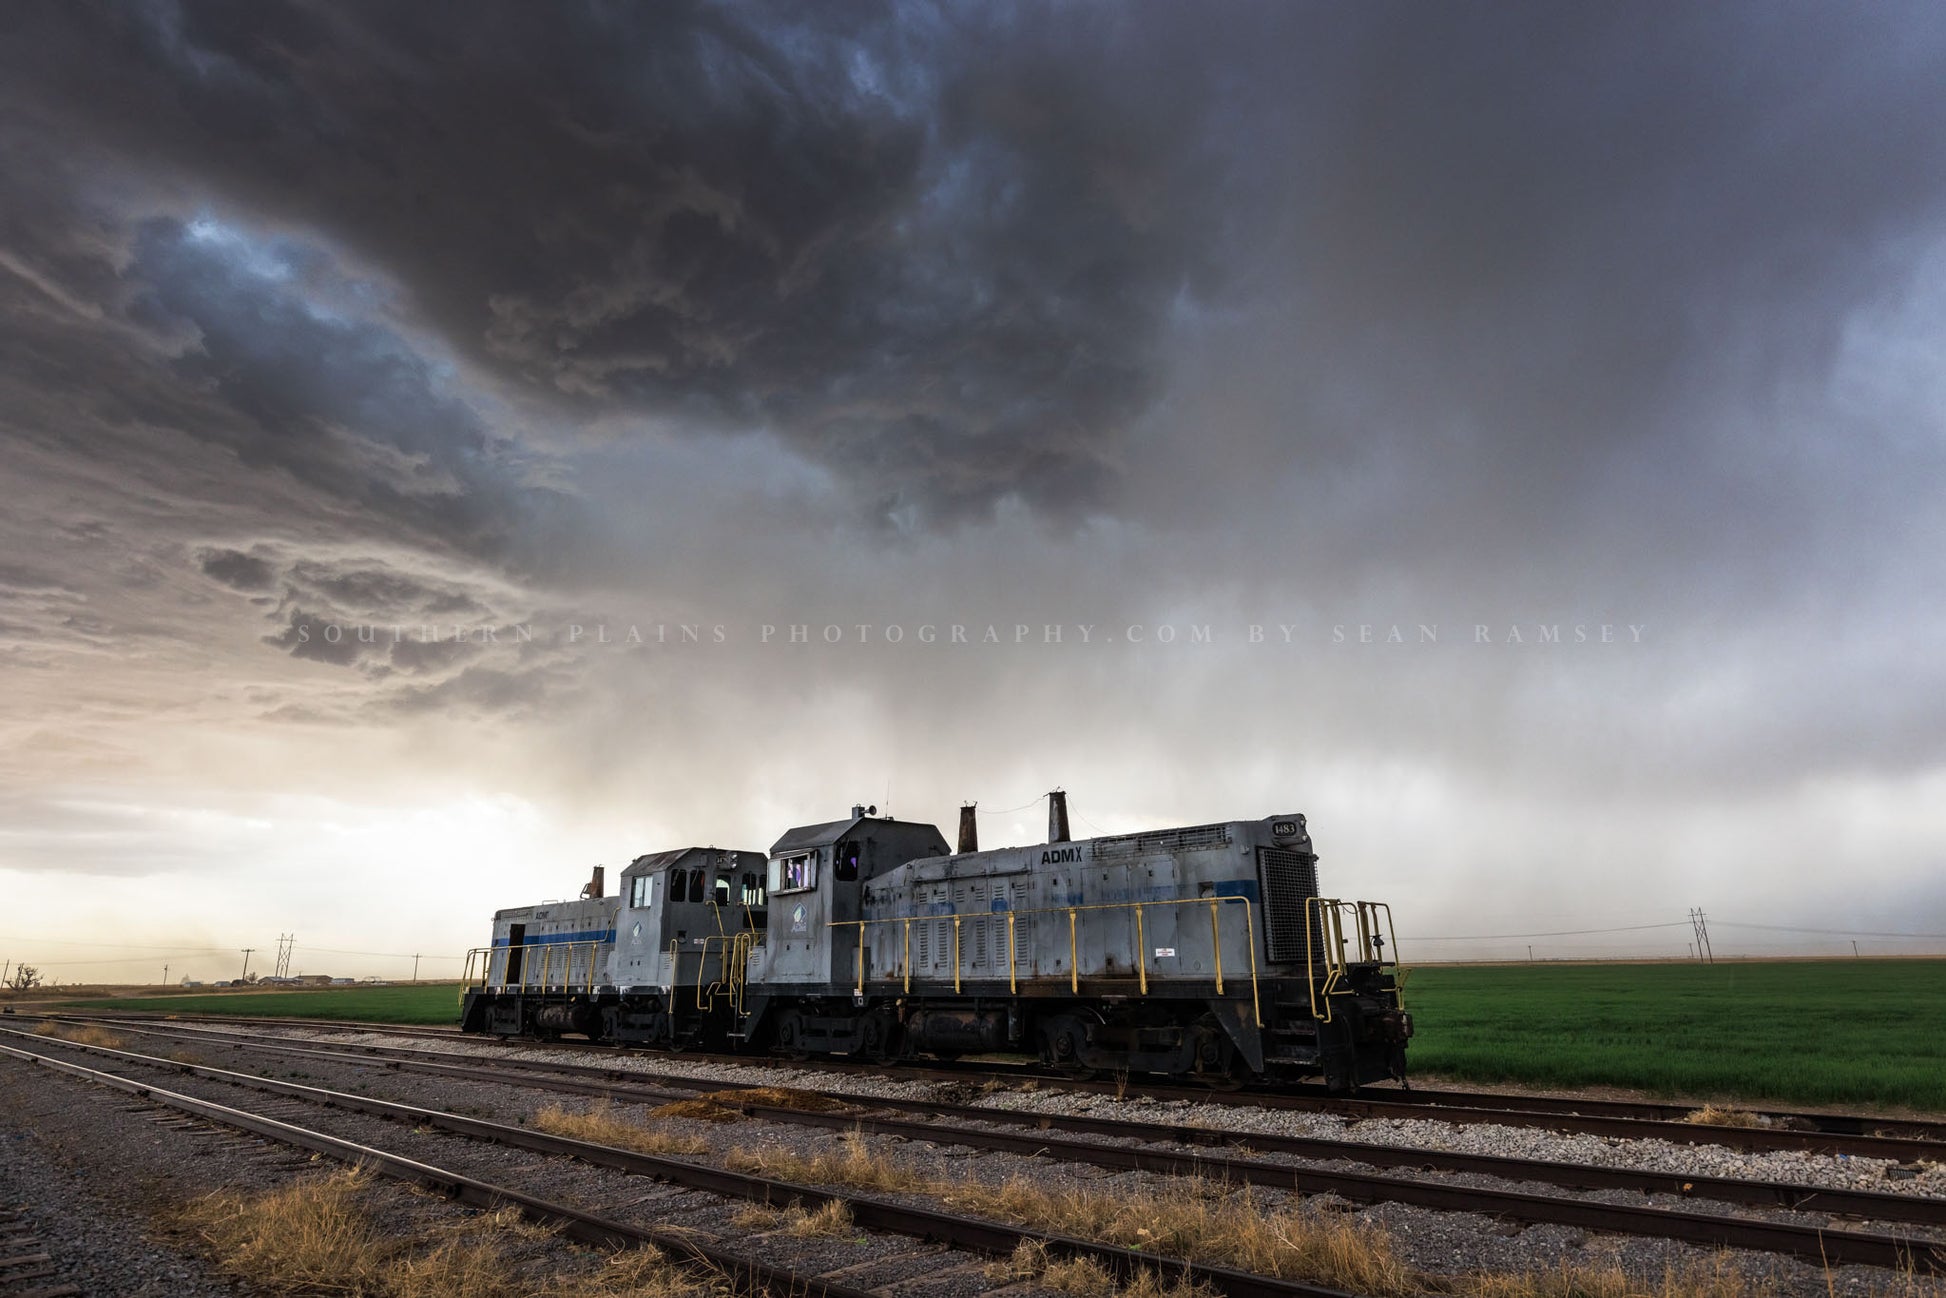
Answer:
(1061, 856)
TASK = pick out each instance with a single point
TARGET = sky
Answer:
(445, 447)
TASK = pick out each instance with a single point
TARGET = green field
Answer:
(1850, 1032)
(420, 1004)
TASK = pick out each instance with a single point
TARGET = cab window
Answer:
(641, 891)
(797, 873)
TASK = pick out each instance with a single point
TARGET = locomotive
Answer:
(1201, 952)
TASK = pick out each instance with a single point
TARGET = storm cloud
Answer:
(501, 386)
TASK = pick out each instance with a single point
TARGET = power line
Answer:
(1828, 932)
(1566, 932)
(113, 946)
(1008, 811)
(383, 955)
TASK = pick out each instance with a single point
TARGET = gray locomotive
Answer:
(1202, 952)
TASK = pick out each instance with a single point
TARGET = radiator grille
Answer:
(1288, 879)
(1169, 840)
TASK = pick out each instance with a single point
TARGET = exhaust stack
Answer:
(969, 829)
(1057, 817)
(594, 887)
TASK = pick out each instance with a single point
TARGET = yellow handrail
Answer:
(1013, 978)
(1074, 957)
(731, 969)
(1325, 917)
(1216, 944)
(487, 958)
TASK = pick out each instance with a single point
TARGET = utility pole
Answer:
(1530, 953)
(165, 975)
(1700, 925)
(415, 966)
(246, 961)
(1854, 948)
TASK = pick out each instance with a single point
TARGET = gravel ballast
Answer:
(1433, 1241)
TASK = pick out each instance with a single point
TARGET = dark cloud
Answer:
(237, 570)
(321, 639)
(948, 253)
(933, 250)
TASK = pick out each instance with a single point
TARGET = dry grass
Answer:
(775, 1097)
(1083, 1277)
(600, 1125)
(86, 1035)
(1715, 1278)
(1213, 1223)
(756, 1218)
(1189, 1219)
(1207, 1223)
(322, 1237)
(853, 1166)
(696, 1111)
(1711, 1115)
(312, 1236)
(833, 1220)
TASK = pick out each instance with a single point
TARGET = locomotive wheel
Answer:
(1064, 1039)
(878, 1037)
(790, 1035)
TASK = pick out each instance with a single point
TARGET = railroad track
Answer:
(1899, 1140)
(949, 1123)
(27, 1269)
(972, 1234)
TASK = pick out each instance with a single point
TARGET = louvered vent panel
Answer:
(1289, 879)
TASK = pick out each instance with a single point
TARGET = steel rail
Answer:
(973, 1233)
(1829, 1133)
(748, 1274)
(1690, 1227)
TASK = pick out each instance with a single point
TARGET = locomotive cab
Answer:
(680, 902)
(814, 880)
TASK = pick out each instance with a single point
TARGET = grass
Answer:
(83, 1034)
(1226, 1225)
(1714, 1115)
(1196, 1220)
(1083, 1277)
(422, 1003)
(342, 1235)
(601, 1126)
(1848, 1032)
(1184, 1219)
(728, 1105)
